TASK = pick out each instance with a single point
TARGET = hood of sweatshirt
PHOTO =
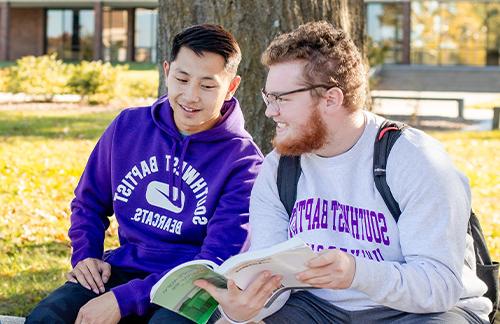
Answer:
(230, 126)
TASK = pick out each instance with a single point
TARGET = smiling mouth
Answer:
(188, 109)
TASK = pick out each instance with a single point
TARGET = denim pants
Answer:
(63, 304)
(303, 307)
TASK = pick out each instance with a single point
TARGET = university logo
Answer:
(158, 194)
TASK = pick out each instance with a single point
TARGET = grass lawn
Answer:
(43, 154)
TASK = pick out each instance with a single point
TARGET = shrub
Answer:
(4, 80)
(145, 88)
(95, 81)
(42, 76)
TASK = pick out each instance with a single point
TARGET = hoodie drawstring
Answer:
(171, 175)
(175, 181)
(185, 144)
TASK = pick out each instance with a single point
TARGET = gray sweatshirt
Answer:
(418, 265)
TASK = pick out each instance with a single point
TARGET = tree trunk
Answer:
(255, 24)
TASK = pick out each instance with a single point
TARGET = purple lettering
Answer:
(333, 207)
(301, 206)
(376, 230)
(315, 224)
(368, 227)
(308, 212)
(383, 229)
(354, 223)
(324, 215)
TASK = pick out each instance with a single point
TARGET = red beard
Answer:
(312, 137)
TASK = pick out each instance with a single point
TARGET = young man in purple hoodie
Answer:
(177, 176)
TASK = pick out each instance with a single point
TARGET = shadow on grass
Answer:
(87, 126)
(34, 287)
(22, 291)
(54, 248)
(29, 287)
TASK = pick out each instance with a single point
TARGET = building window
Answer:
(385, 31)
(70, 33)
(492, 29)
(145, 35)
(114, 35)
(454, 33)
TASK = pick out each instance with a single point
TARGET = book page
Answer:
(177, 292)
(286, 263)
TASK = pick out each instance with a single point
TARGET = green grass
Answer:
(137, 66)
(133, 66)
(4, 64)
(43, 154)
(476, 155)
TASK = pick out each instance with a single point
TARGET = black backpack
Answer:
(289, 171)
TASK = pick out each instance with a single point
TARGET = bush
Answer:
(42, 76)
(140, 84)
(4, 77)
(95, 81)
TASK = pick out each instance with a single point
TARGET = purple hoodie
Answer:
(198, 211)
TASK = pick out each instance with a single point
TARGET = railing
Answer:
(460, 101)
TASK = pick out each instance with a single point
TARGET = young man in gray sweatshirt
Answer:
(369, 268)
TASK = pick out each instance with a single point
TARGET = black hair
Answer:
(209, 38)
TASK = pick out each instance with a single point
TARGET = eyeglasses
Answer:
(274, 99)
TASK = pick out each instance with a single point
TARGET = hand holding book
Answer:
(242, 305)
(267, 272)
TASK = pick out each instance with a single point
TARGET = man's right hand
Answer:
(242, 305)
(91, 273)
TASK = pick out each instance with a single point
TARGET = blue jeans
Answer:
(304, 307)
(64, 303)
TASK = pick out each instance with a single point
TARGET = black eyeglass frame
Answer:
(277, 96)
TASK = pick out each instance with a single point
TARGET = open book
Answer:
(176, 291)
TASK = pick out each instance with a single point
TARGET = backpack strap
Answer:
(288, 176)
(387, 135)
(486, 269)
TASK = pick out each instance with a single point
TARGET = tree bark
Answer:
(254, 24)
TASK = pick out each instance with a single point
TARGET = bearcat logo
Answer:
(158, 194)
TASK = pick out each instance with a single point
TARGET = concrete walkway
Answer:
(11, 320)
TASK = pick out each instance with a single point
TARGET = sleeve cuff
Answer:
(229, 319)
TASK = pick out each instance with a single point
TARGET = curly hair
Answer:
(331, 59)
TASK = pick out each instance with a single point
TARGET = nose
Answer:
(192, 93)
(271, 110)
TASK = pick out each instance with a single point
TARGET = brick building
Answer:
(112, 30)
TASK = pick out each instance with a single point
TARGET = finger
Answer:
(105, 269)
(232, 288)
(210, 288)
(89, 278)
(267, 290)
(323, 259)
(96, 277)
(321, 281)
(257, 284)
(71, 277)
(313, 273)
(77, 273)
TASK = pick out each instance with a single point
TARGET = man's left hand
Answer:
(331, 269)
(102, 309)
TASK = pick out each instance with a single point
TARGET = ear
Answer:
(235, 83)
(334, 98)
(166, 68)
